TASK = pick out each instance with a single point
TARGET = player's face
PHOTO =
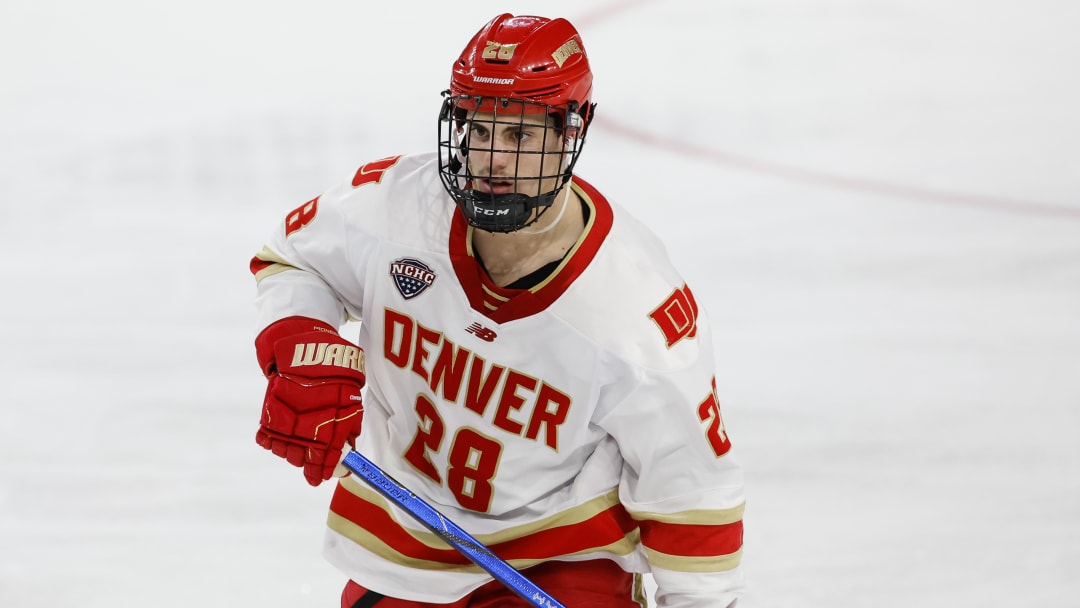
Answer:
(514, 153)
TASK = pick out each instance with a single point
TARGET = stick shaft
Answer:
(448, 531)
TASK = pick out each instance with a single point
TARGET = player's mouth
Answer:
(493, 186)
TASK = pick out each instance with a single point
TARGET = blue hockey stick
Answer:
(448, 531)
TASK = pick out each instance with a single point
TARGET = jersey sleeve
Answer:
(306, 267)
(681, 481)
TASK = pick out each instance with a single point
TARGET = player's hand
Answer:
(313, 405)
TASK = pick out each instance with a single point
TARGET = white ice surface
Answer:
(877, 201)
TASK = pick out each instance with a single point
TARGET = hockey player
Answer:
(528, 360)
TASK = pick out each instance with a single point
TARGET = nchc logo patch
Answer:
(411, 277)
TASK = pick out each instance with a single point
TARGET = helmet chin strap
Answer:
(562, 210)
(558, 218)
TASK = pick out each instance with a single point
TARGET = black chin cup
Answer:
(501, 212)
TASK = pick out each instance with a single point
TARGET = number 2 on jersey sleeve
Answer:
(709, 411)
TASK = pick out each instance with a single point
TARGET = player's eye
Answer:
(478, 131)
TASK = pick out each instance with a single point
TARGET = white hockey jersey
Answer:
(574, 420)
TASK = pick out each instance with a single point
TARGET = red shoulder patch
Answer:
(677, 316)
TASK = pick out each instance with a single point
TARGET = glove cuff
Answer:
(264, 343)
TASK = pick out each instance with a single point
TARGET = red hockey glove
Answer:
(313, 404)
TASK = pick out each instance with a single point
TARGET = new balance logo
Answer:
(481, 332)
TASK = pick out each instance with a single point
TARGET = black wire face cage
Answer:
(504, 161)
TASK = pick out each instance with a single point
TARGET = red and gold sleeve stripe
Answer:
(693, 541)
(266, 263)
(600, 525)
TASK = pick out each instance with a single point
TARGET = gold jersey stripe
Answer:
(575, 515)
(272, 270)
(682, 563)
(269, 255)
(277, 264)
(494, 296)
(699, 517)
(374, 544)
(640, 597)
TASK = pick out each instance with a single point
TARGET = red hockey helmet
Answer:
(514, 67)
(526, 58)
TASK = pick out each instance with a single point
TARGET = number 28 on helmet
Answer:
(514, 120)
